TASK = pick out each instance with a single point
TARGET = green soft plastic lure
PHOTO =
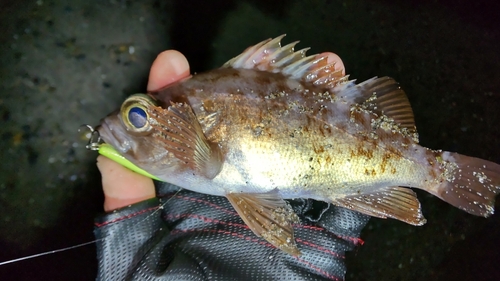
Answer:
(109, 152)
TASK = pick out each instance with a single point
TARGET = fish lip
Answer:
(111, 137)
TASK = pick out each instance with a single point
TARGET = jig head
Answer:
(95, 140)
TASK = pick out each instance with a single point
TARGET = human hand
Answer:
(122, 186)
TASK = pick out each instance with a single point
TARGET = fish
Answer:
(274, 123)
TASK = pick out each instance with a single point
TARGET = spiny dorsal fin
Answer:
(391, 202)
(269, 217)
(179, 129)
(384, 96)
(268, 55)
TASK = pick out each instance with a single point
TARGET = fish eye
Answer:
(134, 113)
(137, 117)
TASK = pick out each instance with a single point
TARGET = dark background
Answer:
(67, 63)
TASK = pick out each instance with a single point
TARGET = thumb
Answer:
(169, 67)
(122, 186)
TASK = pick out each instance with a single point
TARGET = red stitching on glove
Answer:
(227, 211)
(125, 217)
(320, 248)
(216, 221)
(354, 240)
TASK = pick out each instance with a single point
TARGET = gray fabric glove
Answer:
(191, 236)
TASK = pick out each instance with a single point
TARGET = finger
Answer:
(167, 68)
(334, 58)
(121, 186)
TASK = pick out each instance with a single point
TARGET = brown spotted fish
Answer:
(274, 124)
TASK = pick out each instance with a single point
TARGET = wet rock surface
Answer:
(68, 63)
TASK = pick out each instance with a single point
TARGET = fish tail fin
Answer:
(468, 183)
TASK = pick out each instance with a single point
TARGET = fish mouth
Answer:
(115, 138)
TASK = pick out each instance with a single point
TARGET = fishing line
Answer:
(86, 243)
(50, 252)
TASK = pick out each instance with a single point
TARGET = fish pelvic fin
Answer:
(391, 202)
(178, 128)
(270, 56)
(269, 217)
(468, 183)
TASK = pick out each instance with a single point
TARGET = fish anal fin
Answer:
(391, 202)
(178, 128)
(270, 56)
(269, 217)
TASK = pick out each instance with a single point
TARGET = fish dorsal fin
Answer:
(268, 55)
(178, 128)
(384, 96)
(391, 202)
(269, 217)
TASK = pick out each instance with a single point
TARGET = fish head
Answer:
(129, 131)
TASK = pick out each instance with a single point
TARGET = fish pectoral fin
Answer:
(391, 202)
(178, 128)
(269, 217)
